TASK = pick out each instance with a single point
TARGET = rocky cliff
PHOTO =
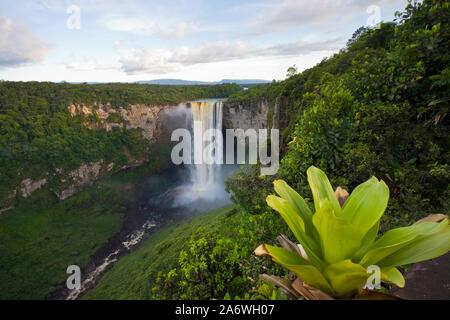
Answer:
(106, 117)
(249, 115)
(154, 124)
(96, 117)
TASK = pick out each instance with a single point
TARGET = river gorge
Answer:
(174, 194)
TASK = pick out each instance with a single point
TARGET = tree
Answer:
(356, 35)
(291, 71)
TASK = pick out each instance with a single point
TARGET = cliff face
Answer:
(243, 115)
(155, 125)
(145, 117)
(74, 181)
(135, 116)
(28, 186)
(86, 174)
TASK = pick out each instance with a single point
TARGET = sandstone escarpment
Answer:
(28, 186)
(86, 174)
(96, 117)
(240, 115)
(140, 116)
(70, 183)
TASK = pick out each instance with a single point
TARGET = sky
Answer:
(205, 40)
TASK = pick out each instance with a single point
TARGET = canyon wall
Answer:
(96, 117)
(135, 116)
(249, 115)
(152, 121)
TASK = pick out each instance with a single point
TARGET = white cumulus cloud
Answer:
(18, 44)
(139, 61)
(291, 14)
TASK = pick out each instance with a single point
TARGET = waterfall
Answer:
(208, 156)
(203, 186)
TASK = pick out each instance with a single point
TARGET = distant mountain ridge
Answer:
(191, 82)
(178, 82)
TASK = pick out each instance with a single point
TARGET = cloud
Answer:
(88, 64)
(178, 32)
(18, 44)
(127, 24)
(138, 61)
(304, 47)
(140, 26)
(291, 14)
(85, 5)
(212, 52)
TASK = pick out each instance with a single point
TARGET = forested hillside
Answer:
(39, 135)
(377, 108)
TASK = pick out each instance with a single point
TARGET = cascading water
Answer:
(204, 188)
(207, 155)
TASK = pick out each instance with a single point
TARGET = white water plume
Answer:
(206, 174)
(208, 155)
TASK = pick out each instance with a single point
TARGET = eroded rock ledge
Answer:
(250, 115)
(97, 117)
(135, 116)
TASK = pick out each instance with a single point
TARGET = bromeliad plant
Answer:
(338, 242)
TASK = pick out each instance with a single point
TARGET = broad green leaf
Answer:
(322, 190)
(298, 204)
(367, 242)
(293, 198)
(425, 248)
(294, 221)
(283, 256)
(365, 206)
(394, 276)
(302, 268)
(338, 238)
(346, 277)
(297, 226)
(396, 239)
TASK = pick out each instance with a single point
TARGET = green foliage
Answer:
(114, 118)
(171, 264)
(291, 71)
(43, 236)
(263, 291)
(377, 108)
(206, 269)
(267, 291)
(339, 243)
(220, 261)
(248, 199)
(135, 274)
